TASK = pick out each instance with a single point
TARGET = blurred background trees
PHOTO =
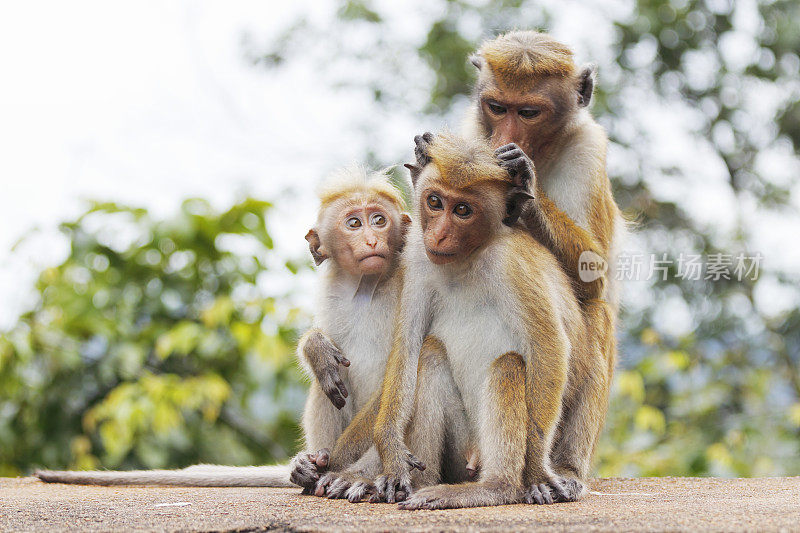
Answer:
(154, 344)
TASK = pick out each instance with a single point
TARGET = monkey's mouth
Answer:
(443, 255)
(371, 256)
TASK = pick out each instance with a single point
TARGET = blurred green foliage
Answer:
(151, 346)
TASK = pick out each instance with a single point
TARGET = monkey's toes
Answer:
(571, 490)
(539, 494)
(338, 488)
(359, 490)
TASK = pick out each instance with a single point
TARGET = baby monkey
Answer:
(356, 242)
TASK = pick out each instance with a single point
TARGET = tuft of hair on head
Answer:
(463, 162)
(358, 184)
(517, 57)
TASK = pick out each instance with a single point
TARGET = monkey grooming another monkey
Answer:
(359, 235)
(489, 317)
(531, 103)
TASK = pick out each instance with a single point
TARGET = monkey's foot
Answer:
(391, 488)
(360, 489)
(556, 490)
(348, 484)
(306, 468)
(478, 494)
(395, 484)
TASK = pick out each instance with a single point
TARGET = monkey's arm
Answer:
(397, 393)
(566, 240)
(323, 358)
(550, 225)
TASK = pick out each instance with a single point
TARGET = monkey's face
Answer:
(366, 238)
(454, 223)
(529, 119)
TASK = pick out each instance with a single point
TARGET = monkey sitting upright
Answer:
(531, 103)
(358, 235)
(488, 321)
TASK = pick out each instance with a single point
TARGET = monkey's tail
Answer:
(193, 476)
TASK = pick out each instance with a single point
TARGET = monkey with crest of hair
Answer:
(489, 321)
(531, 103)
(357, 240)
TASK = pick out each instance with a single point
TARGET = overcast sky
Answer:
(150, 102)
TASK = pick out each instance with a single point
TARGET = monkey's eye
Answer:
(529, 112)
(462, 210)
(353, 222)
(378, 220)
(496, 108)
(434, 202)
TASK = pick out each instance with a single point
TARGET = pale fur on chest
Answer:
(361, 326)
(477, 320)
(569, 179)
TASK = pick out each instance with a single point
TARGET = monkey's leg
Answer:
(353, 459)
(322, 424)
(438, 432)
(546, 380)
(586, 406)
(357, 436)
(501, 441)
(437, 405)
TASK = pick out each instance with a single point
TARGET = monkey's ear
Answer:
(586, 84)
(315, 247)
(415, 172)
(476, 60)
(405, 220)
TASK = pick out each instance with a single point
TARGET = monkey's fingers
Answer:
(413, 462)
(505, 148)
(322, 485)
(391, 488)
(340, 385)
(333, 387)
(421, 143)
(321, 458)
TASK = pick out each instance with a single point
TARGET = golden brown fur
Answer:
(573, 211)
(500, 309)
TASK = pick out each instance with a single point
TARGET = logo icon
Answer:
(591, 266)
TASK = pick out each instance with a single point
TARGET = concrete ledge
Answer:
(646, 504)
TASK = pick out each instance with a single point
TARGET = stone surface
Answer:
(647, 504)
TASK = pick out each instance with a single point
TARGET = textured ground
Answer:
(616, 504)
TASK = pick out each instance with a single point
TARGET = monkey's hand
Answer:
(555, 489)
(306, 468)
(519, 166)
(421, 145)
(395, 483)
(324, 357)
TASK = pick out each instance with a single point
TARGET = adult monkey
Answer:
(359, 235)
(530, 102)
(488, 316)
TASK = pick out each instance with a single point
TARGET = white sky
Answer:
(150, 102)
(147, 103)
